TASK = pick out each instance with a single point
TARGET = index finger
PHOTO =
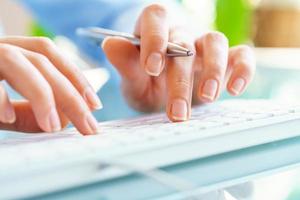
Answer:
(47, 48)
(153, 29)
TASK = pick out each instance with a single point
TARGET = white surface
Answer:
(244, 124)
(134, 141)
(215, 129)
(285, 58)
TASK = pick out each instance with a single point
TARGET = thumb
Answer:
(25, 119)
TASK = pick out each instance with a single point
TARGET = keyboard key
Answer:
(133, 134)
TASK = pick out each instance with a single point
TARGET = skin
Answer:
(56, 91)
(54, 88)
(177, 83)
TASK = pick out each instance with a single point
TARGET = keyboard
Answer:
(148, 142)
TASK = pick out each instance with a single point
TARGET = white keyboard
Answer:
(213, 129)
(152, 141)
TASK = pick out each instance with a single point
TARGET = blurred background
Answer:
(271, 26)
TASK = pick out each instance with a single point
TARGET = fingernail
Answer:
(238, 86)
(54, 122)
(154, 64)
(210, 89)
(179, 110)
(92, 122)
(92, 98)
(10, 116)
(104, 42)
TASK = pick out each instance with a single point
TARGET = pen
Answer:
(98, 34)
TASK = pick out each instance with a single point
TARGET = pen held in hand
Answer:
(98, 34)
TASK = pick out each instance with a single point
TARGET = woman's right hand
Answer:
(54, 88)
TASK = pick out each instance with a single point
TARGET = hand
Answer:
(150, 80)
(54, 88)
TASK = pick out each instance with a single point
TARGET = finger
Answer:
(242, 62)
(135, 82)
(25, 119)
(68, 99)
(7, 113)
(179, 82)
(153, 29)
(125, 57)
(214, 48)
(46, 47)
(31, 85)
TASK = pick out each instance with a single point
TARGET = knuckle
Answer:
(43, 101)
(213, 37)
(41, 59)
(157, 9)
(242, 64)
(44, 94)
(249, 52)
(81, 113)
(245, 67)
(245, 48)
(157, 40)
(216, 73)
(215, 65)
(71, 104)
(182, 85)
(7, 52)
(71, 110)
(66, 107)
(41, 91)
(44, 40)
(79, 80)
(44, 43)
(243, 54)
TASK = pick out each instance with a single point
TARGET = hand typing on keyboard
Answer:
(213, 130)
(151, 80)
(57, 92)
(51, 85)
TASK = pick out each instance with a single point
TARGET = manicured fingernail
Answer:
(154, 64)
(54, 122)
(238, 86)
(104, 42)
(92, 122)
(179, 110)
(210, 89)
(9, 114)
(92, 98)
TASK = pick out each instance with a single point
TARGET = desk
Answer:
(209, 174)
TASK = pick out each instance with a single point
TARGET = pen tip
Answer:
(189, 53)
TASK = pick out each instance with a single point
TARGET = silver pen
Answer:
(97, 34)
